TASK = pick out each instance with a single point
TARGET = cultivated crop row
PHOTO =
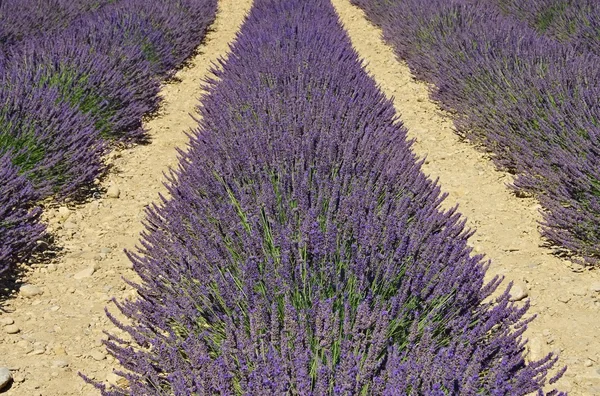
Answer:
(66, 95)
(529, 99)
(574, 22)
(302, 250)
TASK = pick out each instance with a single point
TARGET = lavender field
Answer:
(260, 197)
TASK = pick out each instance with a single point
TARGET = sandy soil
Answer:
(60, 331)
(563, 295)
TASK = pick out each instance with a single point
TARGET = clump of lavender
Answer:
(19, 219)
(25, 19)
(51, 143)
(303, 251)
(573, 22)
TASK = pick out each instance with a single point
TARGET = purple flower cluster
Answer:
(23, 19)
(19, 221)
(302, 250)
(575, 22)
(529, 99)
(65, 94)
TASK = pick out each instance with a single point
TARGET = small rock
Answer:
(112, 379)
(595, 288)
(63, 214)
(18, 378)
(59, 350)
(55, 308)
(38, 351)
(60, 363)
(5, 377)
(518, 291)
(97, 355)
(6, 321)
(24, 344)
(564, 299)
(86, 273)
(51, 267)
(576, 267)
(105, 250)
(535, 349)
(30, 291)
(113, 192)
(12, 329)
(588, 363)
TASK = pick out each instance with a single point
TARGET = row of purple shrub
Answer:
(303, 251)
(19, 222)
(65, 96)
(528, 99)
(571, 21)
(22, 19)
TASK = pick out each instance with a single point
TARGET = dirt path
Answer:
(60, 331)
(567, 302)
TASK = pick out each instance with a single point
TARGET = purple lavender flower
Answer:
(19, 219)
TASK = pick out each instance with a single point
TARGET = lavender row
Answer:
(23, 19)
(19, 220)
(65, 96)
(528, 99)
(302, 250)
(574, 22)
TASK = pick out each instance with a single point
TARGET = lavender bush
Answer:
(303, 251)
(576, 22)
(19, 220)
(52, 143)
(528, 99)
(23, 19)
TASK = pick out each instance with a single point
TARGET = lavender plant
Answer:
(303, 251)
(19, 219)
(51, 143)
(574, 22)
(25, 19)
(528, 99)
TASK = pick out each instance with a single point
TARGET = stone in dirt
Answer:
(5, 377)
(98, 355)
(113, 192)
(518, 291)
(86, 273)
(63, 214)
(60, 363)
(112, 379)
(6, 321)
(595, 287)
(30, 291)
(12, 329)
